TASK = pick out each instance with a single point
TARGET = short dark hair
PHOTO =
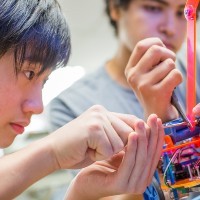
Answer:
(37, 29)
(118, 3)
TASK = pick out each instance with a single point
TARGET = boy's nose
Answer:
(33, 104)
(168, 26)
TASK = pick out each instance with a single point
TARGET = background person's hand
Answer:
(196, 110)
(152, 75)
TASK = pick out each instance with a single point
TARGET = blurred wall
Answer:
(93, 39)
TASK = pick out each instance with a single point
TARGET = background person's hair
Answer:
(34, 29)
(118, 4)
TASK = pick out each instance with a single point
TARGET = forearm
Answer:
(72, 195)
(124, 197)
(79, 189)
(74, 192)
(23, 168)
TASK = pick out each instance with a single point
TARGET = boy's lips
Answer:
(169, 46)
(19, 127)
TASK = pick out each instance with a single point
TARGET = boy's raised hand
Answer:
(152, 75)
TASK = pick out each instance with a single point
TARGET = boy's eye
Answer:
(180, 13)
(151, 8)
(29, 74)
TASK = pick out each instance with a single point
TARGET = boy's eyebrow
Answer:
(164, 2)
(159, 1)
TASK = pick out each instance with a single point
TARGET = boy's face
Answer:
(153, 18)
(21, 97)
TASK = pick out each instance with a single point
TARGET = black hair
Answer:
(36, 29)
(117, 3)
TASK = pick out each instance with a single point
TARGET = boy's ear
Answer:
(114, 10)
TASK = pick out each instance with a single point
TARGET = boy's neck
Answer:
(116, 66)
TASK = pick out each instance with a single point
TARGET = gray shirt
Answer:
(98, 88)
(94, 88)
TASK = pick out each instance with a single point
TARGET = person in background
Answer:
(132, 20)
(34, 41)
(147, 62)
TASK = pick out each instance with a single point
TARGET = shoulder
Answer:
(88, 85)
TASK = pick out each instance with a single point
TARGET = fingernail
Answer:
(141, 125)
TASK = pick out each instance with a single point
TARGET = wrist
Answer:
(48, 145)
(76, 191)
(80, 188)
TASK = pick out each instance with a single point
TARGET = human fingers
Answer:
(164, 77)
(140, 49)
(134, 160)
(170, 81)
(127, 165)
(153, 56)
(128, 120)
(103, 140)
(114, 162)
(154, 149)
(86, 139)
(196, 110)
(132, 120)
(122, 124)
(161, 71)
(159, 145)
(146, 65)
